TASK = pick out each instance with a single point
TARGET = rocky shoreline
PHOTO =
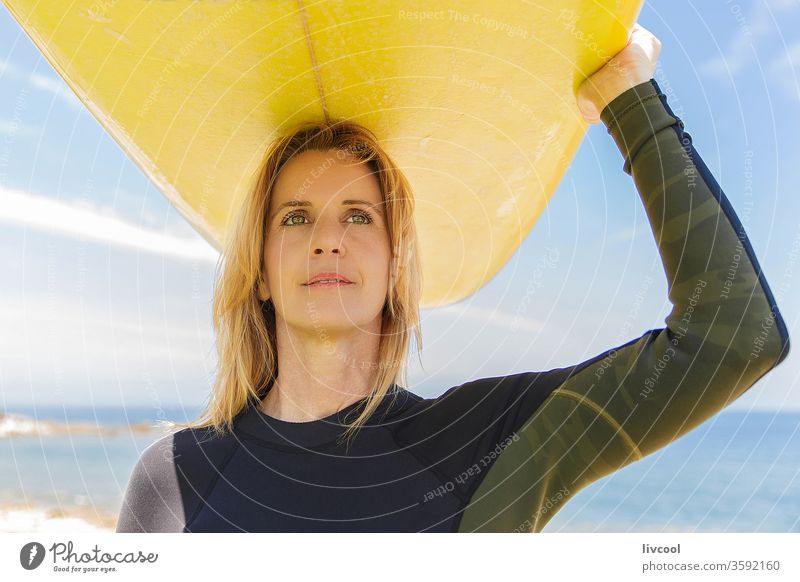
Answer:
(18, 425)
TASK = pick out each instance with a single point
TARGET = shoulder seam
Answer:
(615, 426)
(211, 486)
(428, 466)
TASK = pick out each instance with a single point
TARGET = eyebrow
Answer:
(348, 202)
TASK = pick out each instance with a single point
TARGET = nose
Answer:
(319, 251)
(327, 238)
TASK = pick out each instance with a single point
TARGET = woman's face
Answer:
(326, 215)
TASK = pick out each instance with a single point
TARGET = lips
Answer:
(328, 278)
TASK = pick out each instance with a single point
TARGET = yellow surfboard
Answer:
(474, 99)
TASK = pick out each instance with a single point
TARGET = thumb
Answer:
(587, 102)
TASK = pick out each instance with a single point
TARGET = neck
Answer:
(317, 379)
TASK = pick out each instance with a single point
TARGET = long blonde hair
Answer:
(245, 326)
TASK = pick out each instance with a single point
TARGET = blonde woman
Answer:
(310, 428)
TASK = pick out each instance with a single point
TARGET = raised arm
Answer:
(723, 334)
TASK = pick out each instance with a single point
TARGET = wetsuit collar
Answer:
(255, 424)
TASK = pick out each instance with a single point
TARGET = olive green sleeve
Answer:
(723, 334)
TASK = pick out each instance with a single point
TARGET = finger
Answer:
(640, 30)
(645, 36)
(637, 34)
(640, 35)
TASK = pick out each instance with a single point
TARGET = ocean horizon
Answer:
(737, 472)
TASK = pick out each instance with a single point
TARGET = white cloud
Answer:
(734, 60)
(785, 71)
(626, 234)
(7, 68)
(751, 28)
(76, 352)
(11, 128)
(48, 83)
(49, 318)
(55, 86)
(492, 317)
(83, 220)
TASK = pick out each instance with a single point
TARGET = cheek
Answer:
(375, 237)
(374, 245)
(275, 259)
(380, 263)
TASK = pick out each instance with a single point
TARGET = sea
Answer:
(737, 472)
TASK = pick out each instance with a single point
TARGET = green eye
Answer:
(288, 220)
(367, 218)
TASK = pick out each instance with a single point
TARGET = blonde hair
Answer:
(245, 326)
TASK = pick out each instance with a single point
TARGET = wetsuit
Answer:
(503, 453)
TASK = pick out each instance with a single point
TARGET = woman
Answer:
(309, 428)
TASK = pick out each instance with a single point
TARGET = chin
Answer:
(337, 322)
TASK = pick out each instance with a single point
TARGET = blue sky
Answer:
(105, 291)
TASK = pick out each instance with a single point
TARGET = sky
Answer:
(105, 290)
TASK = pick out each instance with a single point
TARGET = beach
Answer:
(65, 470)
(26, 519)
